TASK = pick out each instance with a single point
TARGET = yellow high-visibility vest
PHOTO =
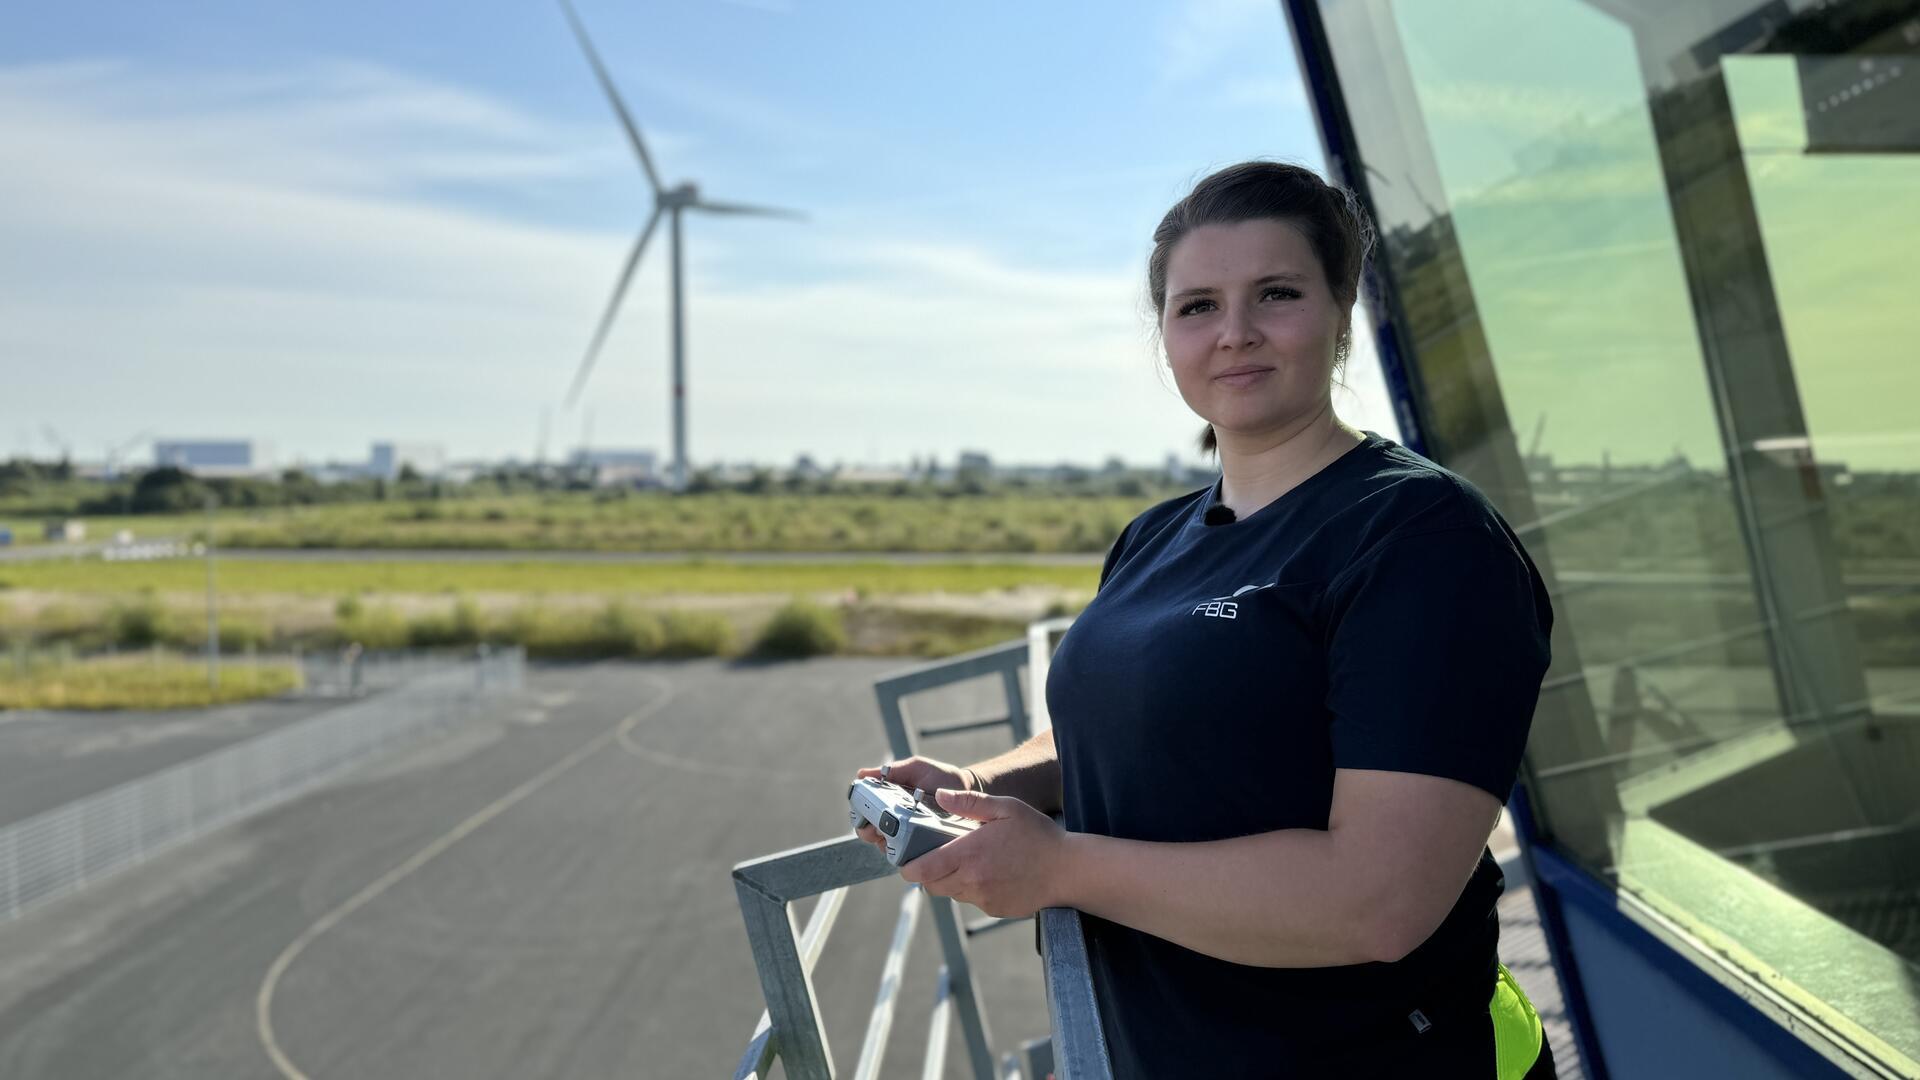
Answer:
(1516, 1028)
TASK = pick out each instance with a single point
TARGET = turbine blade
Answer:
(619, 106)
(746, 208)
(613, 307)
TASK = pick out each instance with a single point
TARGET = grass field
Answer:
(695, 607)
(654, 521)
(137, 681)
(694, 576)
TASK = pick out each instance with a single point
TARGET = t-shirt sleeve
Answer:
(1113, 556)
(1437, 645)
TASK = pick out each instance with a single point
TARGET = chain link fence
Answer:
(65, 849)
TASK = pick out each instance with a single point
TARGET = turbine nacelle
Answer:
(674, 198)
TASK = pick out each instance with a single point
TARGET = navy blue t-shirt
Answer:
(1380, 615)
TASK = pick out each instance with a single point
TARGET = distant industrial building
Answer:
(215, 457)
(616, 468)
(388, 458)
(64, 530)
(871, 474)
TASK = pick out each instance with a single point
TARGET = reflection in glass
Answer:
(1656, 303)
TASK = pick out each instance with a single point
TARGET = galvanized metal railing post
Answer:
(893, 718)
(1079, 1042)
(881, 1024)
(791, 1029)
(1003, 660)
(973, 1021)
(766, 888)
(787, 984)
(1016, 704)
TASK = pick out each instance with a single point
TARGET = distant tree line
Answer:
(34, 488)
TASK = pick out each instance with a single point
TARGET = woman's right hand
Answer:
(915, 772)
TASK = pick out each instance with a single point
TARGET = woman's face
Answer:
(1250, 325)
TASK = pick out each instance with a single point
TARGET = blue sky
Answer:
(326, 224)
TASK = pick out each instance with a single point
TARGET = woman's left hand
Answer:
(1010, 867)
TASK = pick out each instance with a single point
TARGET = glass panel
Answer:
(1660, 324)
(1837, 229)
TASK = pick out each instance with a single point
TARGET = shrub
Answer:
(523, 625)
(622, 631)
(802, 628)
(238, 633)
(65, 622)
(374, 628)
(461, 626)
(545, 634)
(695, 633)
(138, 623)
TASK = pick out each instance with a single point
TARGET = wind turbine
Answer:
(672, 201)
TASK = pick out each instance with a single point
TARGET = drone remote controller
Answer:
(909, 820)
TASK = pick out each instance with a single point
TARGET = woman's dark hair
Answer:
(1335, 225)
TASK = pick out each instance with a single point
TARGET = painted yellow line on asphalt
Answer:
(263, 1001)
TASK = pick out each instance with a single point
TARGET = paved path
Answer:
(544, 893)
(580, 923)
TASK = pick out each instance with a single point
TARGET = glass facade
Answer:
(1646, 268)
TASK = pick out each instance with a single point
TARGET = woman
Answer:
(1286, 723)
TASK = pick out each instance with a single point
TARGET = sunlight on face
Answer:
(1250, 325)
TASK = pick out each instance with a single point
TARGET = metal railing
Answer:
(65, 849)
(352, 672)
(784, 954)
(790, 1027)
(1003, 660)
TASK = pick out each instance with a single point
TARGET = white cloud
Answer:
(326, 125)
(262, 255)
(247, 255)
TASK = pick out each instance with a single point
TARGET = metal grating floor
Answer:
(1523, 948)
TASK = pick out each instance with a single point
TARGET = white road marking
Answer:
(674, 761)
(263, 1001)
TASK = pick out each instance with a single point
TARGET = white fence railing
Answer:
(64, 849)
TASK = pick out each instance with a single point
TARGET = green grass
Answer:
(548, 627)
(696, 576)
(878, 631)
(654, 521)
(136, 682)
(802, 629)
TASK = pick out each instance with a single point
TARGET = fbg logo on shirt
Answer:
(1223, 607)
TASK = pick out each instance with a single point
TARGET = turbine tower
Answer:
(671, 201)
